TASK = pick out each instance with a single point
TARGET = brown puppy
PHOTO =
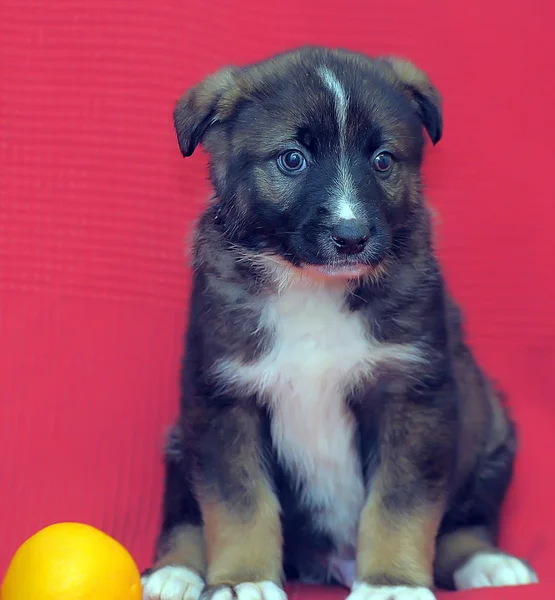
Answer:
(330, 408)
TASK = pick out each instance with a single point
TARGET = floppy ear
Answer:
(424, 95)
(201, 107)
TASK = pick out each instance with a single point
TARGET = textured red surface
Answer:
(96, 203)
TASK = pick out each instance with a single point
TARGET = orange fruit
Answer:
(71, 561)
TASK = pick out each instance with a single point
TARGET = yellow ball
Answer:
(71, 561)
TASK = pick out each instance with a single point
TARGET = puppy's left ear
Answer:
(202, 106)
(425, 96)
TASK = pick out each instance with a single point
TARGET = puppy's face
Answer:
(315, 155)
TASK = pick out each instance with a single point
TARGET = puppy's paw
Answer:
(261, 590)
(172, 583)
(364, 591)
(493, 570)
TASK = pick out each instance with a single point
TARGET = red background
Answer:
(96, 205)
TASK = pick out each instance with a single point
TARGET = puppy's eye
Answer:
(291, 162)
(382, 162)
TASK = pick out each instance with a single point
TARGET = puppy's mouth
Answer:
(339, 271)
(342, 270)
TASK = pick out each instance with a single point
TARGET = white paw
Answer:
(493, 570)
(363, 591)
(172, 583)
(262, 590)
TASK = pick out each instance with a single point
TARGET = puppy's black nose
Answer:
(350, 236)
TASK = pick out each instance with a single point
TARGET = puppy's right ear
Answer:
(201, 107)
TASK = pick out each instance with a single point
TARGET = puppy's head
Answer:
(315, 154)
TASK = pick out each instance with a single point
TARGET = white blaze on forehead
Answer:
(346, 192)
(341, 100)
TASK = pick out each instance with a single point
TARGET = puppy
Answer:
(331, 411)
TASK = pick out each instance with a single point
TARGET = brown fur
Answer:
(185, 546)
(244, 547)
(400, 522)
(395, 548)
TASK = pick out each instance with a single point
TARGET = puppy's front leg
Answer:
(406, 500)
(241, 513)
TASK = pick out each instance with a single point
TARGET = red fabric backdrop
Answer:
(96, 203)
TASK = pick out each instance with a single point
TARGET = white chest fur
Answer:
(320, 350)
